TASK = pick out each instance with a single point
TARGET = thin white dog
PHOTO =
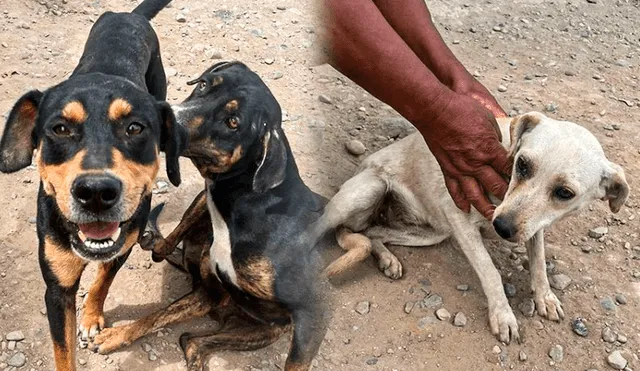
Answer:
(398, 197)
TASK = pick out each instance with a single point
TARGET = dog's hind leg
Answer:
(411, 236)
(246, 336)
(353, 207)
(93, 308)
(357, 247)
(501, 318)
(195, 304)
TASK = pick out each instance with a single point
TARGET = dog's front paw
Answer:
(549, 306)
(503, 323)
(90, 325)
(111, 339)
(390, 265)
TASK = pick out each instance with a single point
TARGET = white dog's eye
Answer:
(564, 193)
(522, 168)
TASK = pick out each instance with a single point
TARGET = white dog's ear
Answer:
(521, 125)
(616, 188)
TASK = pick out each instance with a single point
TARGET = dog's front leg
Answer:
(308, 333)
(547, 303)
(501, 318)
(93, 308)
(163, 246)
(61, 270)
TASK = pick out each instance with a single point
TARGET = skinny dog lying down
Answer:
(398, 197)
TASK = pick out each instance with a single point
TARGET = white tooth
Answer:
(116, 234)
(110, 243)
(82, 236)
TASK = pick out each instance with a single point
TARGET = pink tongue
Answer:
(99, 230)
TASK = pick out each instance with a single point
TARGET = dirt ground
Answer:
(576, 60)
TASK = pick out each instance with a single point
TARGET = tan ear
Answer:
(616, 188)
(521, 125)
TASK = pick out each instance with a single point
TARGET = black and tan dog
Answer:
(98, 136)
(258, 208)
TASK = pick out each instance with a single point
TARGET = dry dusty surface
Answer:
(576, 60)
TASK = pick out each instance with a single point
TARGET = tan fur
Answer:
(118, 109)
(357, 247)
(65, 265)
(65, 356)
(138, 179)
(257, 278)
(74, 112)
(57, 179)
(231, 106)
(93, 307)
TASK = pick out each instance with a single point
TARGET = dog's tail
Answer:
(150, 8)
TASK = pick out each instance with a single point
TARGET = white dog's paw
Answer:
(503, 323)
(549, 306)
(390, 265)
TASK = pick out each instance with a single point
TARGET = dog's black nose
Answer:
(504, 227)
(96, 193)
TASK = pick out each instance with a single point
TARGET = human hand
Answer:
(465, 84)
(464, 140)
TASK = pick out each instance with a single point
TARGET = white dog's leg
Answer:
(412, 236)
(547, 303)
(501, 318)
(388, 263)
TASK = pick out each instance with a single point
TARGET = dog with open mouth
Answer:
(98, 137)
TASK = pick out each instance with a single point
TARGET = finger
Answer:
(501, 162)
(456, 194)
(492, 182)
(475, 195)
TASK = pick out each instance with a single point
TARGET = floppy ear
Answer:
(18, 140)
(616, 188)
(273, 162)
(519, 126)
(174, 139)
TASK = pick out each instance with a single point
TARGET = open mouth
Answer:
(99, 235)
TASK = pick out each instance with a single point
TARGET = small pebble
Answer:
(460, 320)
(579, 327)
(559, 281)
(355, 147)
(15, 336)
(462, 287)
(527, 307)
(443, 314)
(82, 362)
(502, 88)
(372, 361)
(408, 307)
(496, 349)
(616, 360)
(608, 304)
(598, 232)
(522, 356)
(608, 335)
(509, 290)
(363, 307)
(431, 301)
(324, 99)
(586, 249)
(269, 61)
(17, 360)
(556, 353)
(621, 299)
(153, 356)
(181, 18)
(622, 339)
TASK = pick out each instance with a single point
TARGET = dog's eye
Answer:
(202, 85)
(522, 168)
(563, 193)
(134, 129)
(232, 123)
(61, 130)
